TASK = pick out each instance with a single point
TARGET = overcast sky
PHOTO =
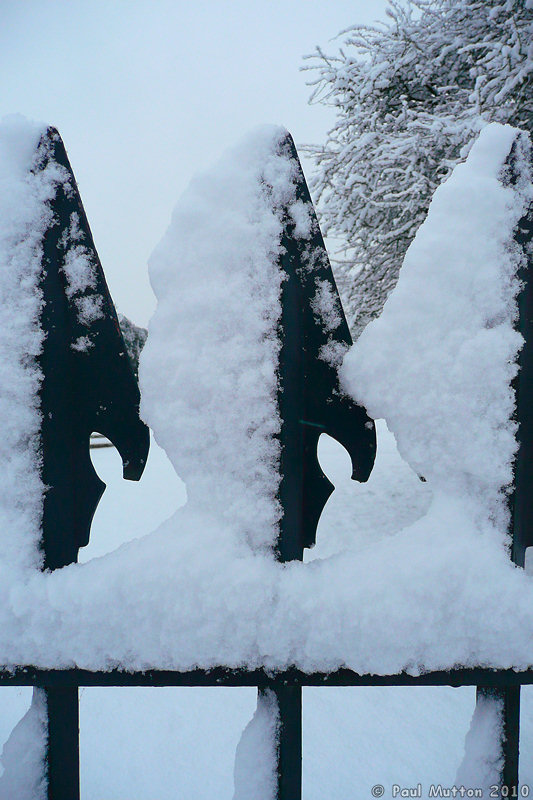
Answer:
(145, 94)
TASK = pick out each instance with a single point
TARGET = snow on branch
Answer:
(410, 95)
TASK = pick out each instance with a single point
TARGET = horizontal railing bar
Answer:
(221, 676)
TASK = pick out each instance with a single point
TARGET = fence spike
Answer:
(310, 402)
(88, 384)
(63, 754)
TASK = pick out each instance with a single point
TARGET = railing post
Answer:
(520, 506)
(63, 756)
(83, 389)
(289, 701)
(309, 403)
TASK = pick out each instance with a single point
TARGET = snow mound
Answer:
(214, 336)
(439, 362)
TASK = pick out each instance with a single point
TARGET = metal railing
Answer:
(71, 398)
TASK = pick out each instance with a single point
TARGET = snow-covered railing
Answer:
(86, 384)
(280, 370)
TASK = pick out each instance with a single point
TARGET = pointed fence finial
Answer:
(88, 383)
(314, 337)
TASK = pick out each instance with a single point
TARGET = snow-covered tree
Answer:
(410, 95)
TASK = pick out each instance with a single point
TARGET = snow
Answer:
(204, 588)
(82, 344)
(163, 743)
(438, 363)
(23, 220)
(326, 307)
(404, 573)
(255, 774)
(483, 760)
(215, 334)
(78, 268)
(23, 756)
(89, 309)
(80, 271)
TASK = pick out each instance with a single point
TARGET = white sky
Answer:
(145, 94)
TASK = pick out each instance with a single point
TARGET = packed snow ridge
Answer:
(204, 589)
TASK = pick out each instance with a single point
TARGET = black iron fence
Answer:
(99, 393)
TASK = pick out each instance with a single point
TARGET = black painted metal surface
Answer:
(222, 676)
(63, 759)
(83, 389)
(310, 399)
(310, 403)
(520, 504)
(88, 385)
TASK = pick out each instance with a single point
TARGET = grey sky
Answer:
(145, 94)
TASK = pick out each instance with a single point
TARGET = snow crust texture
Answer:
(23, 756)
(214, 337)
(29, 180)
(439, 362)
(483, 759)
(24, 217)
(204, 589)
(255, 772)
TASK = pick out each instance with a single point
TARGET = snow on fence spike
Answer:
(314, 338)
(518, 171)
(88, 383)
(65, 355)
(243, 242)
(439, 363)
(24, 216)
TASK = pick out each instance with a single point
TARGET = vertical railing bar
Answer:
(58, 398)
(511, 738)
(79, 393)
(63, 755)
(289, 751)
(290, 544)
(519, 501)
(309, 402)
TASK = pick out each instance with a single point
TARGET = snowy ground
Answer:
(163, 744)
